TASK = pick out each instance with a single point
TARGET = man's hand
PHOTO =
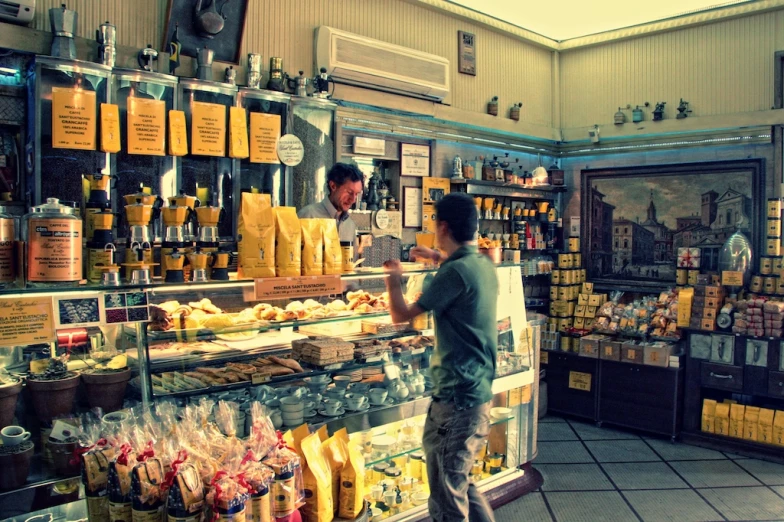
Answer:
(394, 269)
(398, 308)
(420, 252)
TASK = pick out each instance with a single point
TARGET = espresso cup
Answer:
(14, 435)
(332, 406)
(378, 396)
(355, 401)
(291, 404)
(377, 493)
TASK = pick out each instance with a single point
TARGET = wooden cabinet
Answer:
(572, 398)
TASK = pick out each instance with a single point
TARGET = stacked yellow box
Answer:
(735, 420)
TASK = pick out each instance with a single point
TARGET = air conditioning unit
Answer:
(357, 60)
(17, 11)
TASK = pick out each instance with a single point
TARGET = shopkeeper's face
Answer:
(344, 196)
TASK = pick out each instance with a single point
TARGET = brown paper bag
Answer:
(765, 426)
(312, 247)
(737, 411)
(256, 244)
(708, 415)
(333, 254)
(750, 421)
(722, 421)
(317, 481)
(352, 481)
(778, 428)
(288, 242)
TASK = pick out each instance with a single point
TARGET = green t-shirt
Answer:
(463, 297)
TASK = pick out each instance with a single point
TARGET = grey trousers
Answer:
(451, 441)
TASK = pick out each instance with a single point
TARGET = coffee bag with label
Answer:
(288, 242)
(333, 254)
(256, 245)
(312, 247)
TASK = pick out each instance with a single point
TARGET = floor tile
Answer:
(573, 477)
(734, 456)
(683, 505)
(551, 418)
(644, 475)
(599, 506)
(779, 490)
(532, 505)
(593, 432)
(767, 472)
(555, 431)
(562, 453)
(621, 451)
(714, 474)
(679, 451)
(746, 503)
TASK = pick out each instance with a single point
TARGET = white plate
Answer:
(309, 414)
(340, 412)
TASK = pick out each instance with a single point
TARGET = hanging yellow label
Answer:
(73, 119)
(238, 133)
(264, 134)
(178, 138)
(146, 126)
(110, 128)
(208, 129)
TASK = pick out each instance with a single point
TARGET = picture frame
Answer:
(634, 219)
(78, 312)
(414, 160)
(412, 207)
(226, 43)
(466, 53)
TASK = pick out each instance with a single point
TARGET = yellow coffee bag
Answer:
(750, 423)
(722, 421)
(333, 254)
(778, 428)
(765, 426)
(708, 415)
(317, 482)
(336, 455)
(288, 242)
(352, 480)
(312, 247)
(256, 245)
(737, 411)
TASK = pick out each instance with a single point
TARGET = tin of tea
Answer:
(766, 265)
(769, 284)
(692, 277)
(681, 276)
(774, 227)
(774, 208)
(756, 283)
(574, 244)
(773, 246)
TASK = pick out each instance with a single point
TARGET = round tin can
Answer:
(766, 265)
(756, 283)
(773, 246)
(574, 244)
(692, 277)
(774, 207)
(54, 244)
(774, 227)
(681, 276)
(7, 255)
(778, 264)
(769, 284)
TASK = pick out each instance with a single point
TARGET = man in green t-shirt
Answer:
(462, 297)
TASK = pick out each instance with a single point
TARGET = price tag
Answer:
(208, 129)
(73, 118)
(632, 354)
(608, 350)
(580, 381)
(731, 278)
(260, 378)
(654, 356)
(304, 286)
(26, 320)
(146, 126)
(264, 134)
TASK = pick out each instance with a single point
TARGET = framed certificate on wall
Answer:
(414, 160)
(412, 207)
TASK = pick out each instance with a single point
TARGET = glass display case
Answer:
(225, 341)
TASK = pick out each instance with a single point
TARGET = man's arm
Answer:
(398, 309)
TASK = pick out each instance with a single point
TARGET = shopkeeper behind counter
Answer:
(345, 184)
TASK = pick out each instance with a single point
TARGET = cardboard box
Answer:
(765, 426)
(722, 419)
(778, 428)
(699, 290)
(632, 352)
(714, 291)
(596, 299)
(698, 301)
(587, 288)
(610, 350)
(737, 411)
(553, 293)
(555, 277)
(582, 299)
(590, 311)
(579, 322)
(708, 415)
(709, 313)
(589, 345)
(658, 354)
(579, 311)
(685, 298)
(750, 422)
(696, 313)
(712, 302)
(708, 324)
(695, 323)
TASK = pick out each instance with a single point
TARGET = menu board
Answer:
(146, 126)
(264, 134)
(26, 320)
(208, 129)
(73, 119)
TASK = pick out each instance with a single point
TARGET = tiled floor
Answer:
(607, 475)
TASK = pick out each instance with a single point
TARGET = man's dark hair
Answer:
(342, 172)
(459, 213)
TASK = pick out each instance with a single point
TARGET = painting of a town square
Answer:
(635, 224)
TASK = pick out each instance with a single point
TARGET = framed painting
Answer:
(218, 24)
(634, 219)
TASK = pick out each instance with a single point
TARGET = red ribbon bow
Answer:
(249, 457)
(122, 458)
(148, 452)
(168, 479)
(79, 451)
(282, 443)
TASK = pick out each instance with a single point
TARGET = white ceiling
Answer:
(564, 19)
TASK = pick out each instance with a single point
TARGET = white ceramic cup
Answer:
(377, 492)
(292, 404)
(342, 381)
(332, 406)
(355, 401)
(389, 498)
(378, 396)
(14, 435)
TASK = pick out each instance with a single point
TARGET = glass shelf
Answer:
(377, 459)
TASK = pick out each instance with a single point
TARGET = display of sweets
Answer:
(650, 315)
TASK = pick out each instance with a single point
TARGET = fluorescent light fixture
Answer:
(8, 71)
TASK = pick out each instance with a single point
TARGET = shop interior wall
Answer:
(507, 67)
(720, 68)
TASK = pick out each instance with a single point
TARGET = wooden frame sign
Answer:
(414, 160)
(466, 53)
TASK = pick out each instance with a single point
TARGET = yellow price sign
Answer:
(73, 118)
(580, 381)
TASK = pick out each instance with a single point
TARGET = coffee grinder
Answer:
(174, 262)
(174, 219)
(100, 245)
(98, 201)
(139, 215)
(220, 265)
(199, 262)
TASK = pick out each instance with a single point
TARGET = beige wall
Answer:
(508, 68)
(721, 68)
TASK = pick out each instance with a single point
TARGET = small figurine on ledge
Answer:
(658, 112)
(683, 110)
